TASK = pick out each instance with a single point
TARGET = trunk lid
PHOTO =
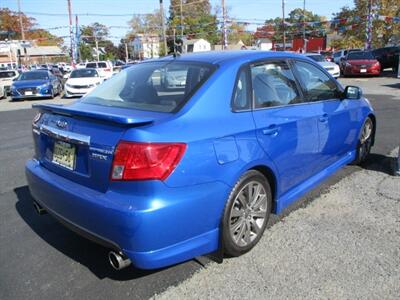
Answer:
(78, 141)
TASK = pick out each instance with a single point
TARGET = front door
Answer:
(286, 127)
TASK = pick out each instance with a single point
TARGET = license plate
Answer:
(363, 71)
(28, 93)
(64, 155)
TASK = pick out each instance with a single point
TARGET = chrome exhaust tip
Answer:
(38, 208)
(118, 261)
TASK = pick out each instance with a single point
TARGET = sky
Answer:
(245, 10)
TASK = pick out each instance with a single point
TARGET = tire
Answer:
(364, 143)
(52, 93)
(243, 226)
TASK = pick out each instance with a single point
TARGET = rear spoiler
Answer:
(98, 115)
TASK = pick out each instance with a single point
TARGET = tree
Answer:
(197, 20)
(145, 24)
(273, 29)
(352, 23)
(10, 28)
(237, 32)
(94, 31)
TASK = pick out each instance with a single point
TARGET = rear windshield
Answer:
(34, 76)
(84, 73)
(360, 55)
(156, 86)
(7, 74)
(91, 65)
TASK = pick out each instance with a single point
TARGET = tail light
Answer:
(145, 161)
(107, 69)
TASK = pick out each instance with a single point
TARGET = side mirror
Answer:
(352, 92)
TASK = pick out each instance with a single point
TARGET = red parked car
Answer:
(360, 63)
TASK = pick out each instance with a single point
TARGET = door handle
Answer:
(271, 130)
(323, 118)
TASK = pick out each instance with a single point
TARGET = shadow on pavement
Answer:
(379, 163)
(393, 85)
(83, 251)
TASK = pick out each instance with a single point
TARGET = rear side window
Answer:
(241, 99)
(102, 65)
(91, 65)
(157, 86)
(315, 83)
(273, 85)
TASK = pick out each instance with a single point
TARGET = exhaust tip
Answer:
(118, 261)
(38, 208)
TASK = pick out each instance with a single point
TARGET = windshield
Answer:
(7, 74)
(34, 76)
(84, 73)
(317, 57)
(155, 86)
(360, 55)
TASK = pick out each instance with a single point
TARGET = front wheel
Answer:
(246, 213)
(365, 142)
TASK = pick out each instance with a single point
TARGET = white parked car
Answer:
(81, 82)
(331, 67)
(104, 68)
(6, 80)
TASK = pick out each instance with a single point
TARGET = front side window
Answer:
(315, 83)
(273, 85)
(154, 86)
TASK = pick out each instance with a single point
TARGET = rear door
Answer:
(336, 129)
(286, 127)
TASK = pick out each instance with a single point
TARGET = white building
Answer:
(264, 44)
(195, 45)
(146, 46)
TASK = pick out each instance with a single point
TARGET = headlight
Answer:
(43, 86)
(13, 88)
(68, 85)
(91, 85)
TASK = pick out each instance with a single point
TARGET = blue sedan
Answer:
(36, 84)
(160, 173)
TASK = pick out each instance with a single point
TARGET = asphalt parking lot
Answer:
(341, 240)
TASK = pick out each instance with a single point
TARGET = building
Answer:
(195, 45)
(146, 46)
(238, 46)
(264, 44)
(28, 52)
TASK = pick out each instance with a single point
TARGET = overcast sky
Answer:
(250, 10)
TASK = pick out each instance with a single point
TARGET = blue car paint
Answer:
(157, 223)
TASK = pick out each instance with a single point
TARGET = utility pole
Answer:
(369, 27)
(77, 40)
(97, 46)
(283, 25)
(21, 25)
(304, 27)
(163, 27)
(224, 35)
(181, 18)
(71, 34)
(126, 52)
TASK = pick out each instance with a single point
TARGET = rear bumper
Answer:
(171, 226)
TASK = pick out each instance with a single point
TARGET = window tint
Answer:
(102, 65)
(316, 84)
(273, 85)
(241, 99)
(91, 65)
(156, 86)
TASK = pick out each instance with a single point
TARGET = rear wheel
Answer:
(365, 141)
(246, 213)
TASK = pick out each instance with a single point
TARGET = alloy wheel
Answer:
(248, 214)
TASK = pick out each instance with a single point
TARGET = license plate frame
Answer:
(64, 155)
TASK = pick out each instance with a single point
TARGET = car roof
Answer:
(222, 57)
